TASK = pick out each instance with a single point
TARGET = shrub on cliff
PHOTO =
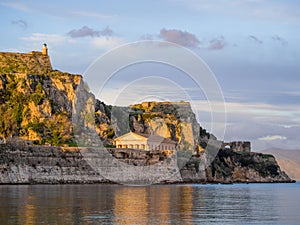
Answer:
(8, 124)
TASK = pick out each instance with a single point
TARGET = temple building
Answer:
(146, 142)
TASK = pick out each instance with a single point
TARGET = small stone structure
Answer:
(238, 146)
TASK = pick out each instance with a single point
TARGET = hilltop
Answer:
(33, 62)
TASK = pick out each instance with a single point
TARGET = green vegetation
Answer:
(8, 124)
(267, 156)
(18, 118)
(38, 96)
(110, 133)
(150, 116)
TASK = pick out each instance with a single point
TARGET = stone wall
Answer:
(30, 63)
(22, 163)
(238, 146)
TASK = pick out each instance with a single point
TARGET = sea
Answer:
(155, 204)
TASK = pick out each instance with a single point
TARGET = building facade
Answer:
(144, 142)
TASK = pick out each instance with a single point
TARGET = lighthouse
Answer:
(45, 49)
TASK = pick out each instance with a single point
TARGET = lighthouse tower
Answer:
(45, 49)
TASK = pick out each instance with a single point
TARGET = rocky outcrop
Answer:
(288, 160)
(174, 120)
(38, 104)
(235, 167)
(41, 108)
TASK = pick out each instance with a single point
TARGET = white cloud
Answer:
(17, 5)
(48, 38)
(180, 37)
(93, 14)
(87, 31)
(272, 138)
(107, 43)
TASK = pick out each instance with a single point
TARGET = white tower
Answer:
(45, 49)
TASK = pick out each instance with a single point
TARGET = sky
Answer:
(250, 46)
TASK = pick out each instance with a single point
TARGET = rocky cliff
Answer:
(23, 164)
(37, 103)
(230, 166)
(288, 160)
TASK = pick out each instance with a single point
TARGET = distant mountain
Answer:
(288, 160)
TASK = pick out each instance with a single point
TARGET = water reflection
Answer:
(152, 205)
(130, 206)
(171, 204)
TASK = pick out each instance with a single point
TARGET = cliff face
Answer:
(174, 120)
(234, 167)
(168, 119)
(40, 107)
(288, 160)
(230, 166)
(21, 164)
(51, 165)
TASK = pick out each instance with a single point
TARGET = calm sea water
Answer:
(157, 204)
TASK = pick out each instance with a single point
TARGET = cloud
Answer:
(106, 32)
(255, 39)
(45, 38)
(107, 42)
(17, 5)
(272, 138)
(183, 38)
(217, 43)
(93, 14)
(279, 39)
(86, 31)
(147, 37)
(21, 23)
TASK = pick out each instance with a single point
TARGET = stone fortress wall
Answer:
(33, 62)
(238, 146)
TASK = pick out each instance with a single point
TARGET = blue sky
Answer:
(252, 47)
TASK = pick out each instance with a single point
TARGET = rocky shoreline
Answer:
(25, 164)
